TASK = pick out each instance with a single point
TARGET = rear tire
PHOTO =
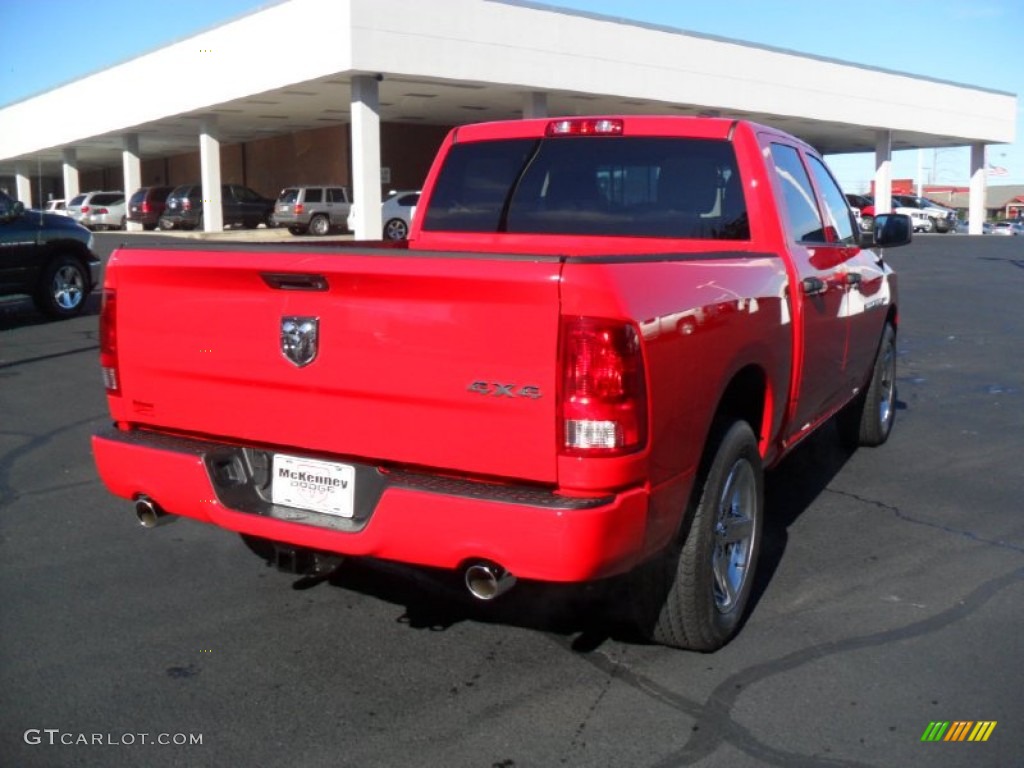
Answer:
(396, 229)
(319, 225)
(694, 595)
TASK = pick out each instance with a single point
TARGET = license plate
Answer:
(313, 485)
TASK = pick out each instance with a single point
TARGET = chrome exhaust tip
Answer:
(149, 513)
(486, 581)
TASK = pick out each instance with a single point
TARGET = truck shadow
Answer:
(594, 613)
(19, 312)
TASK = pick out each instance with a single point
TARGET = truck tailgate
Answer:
(436, 360)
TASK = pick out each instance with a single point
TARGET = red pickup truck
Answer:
(598, 335)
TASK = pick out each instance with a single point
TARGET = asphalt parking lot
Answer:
(890, 596)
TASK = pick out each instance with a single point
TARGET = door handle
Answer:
(814, 286)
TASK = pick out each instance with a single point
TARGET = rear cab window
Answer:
(607, 186)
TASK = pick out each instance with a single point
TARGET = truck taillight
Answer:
(604, 393)
(299, 208)
(108, 343)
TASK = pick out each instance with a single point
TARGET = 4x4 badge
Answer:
(299, 339)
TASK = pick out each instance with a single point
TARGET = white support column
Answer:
(883, 172)
(535, 104)
(366, 157)
(209, 173)
(132, 174)
(23, 186)
(71, 184)
(976, 212)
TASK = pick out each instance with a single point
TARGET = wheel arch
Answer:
(747, 397)
(78, 250)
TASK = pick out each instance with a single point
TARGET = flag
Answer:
(997, 170)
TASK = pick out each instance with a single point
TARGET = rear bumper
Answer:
(412, 518)
(289, 220)
(179, 218)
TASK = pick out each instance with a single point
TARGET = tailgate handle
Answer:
(291, 281)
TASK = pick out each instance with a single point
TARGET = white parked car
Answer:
(56, 205)
(82, 205)
(104, 210)
(396, 211)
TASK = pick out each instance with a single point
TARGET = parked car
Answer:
(864, 209)
(73, 207)
(964, 227)
(146, 205)
(104, 210)
(943, 218)
(46, 256)
(1007, 228)
(316, 209)
(396, 211)
(241, 206)
(56, 206)
(78, 206)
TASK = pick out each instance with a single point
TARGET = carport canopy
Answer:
(367, 62)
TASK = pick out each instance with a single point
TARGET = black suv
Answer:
(241, 205)
(146, 205)
(46, 256)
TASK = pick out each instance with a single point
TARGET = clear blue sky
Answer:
(977, 42)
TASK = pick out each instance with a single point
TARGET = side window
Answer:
(336, 195)
(802, 213)
(837, 210)
(314, 195)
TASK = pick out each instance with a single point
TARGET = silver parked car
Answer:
(1007, 228)
(57, 206)
(316, 209)
(104, 210)
(81, 205)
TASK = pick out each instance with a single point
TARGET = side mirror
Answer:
(890, 230)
